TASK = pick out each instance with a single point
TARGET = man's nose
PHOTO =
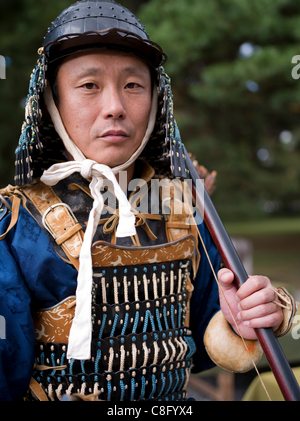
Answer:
(113, 105)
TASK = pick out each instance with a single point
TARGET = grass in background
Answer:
(276, 248)
(274, 226)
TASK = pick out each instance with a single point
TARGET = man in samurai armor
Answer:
(106, 291)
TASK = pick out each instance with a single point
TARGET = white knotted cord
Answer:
(80, 334)
(79, 346)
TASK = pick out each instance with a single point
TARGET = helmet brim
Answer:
(110, 39)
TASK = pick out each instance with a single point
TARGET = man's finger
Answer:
(253, 284)
(263, 296)
(225, 277)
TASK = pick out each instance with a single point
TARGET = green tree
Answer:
(23, 25)
(237, 103)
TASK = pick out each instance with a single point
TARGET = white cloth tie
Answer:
(79, 346)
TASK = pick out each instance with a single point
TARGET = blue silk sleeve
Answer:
(17, 339)
(16, 350)
(32, 276)
(205, 299)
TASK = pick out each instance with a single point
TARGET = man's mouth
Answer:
(114, 136)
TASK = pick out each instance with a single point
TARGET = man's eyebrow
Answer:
(90, 71)
(97, 71)
(136, 70)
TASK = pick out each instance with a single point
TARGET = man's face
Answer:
(105, 103)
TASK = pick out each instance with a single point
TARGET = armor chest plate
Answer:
(141, 347)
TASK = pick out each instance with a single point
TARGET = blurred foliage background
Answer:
(236, 102)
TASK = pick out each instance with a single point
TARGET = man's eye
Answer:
(132, 85)
(89, 86)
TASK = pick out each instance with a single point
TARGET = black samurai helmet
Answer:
(89, 25)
